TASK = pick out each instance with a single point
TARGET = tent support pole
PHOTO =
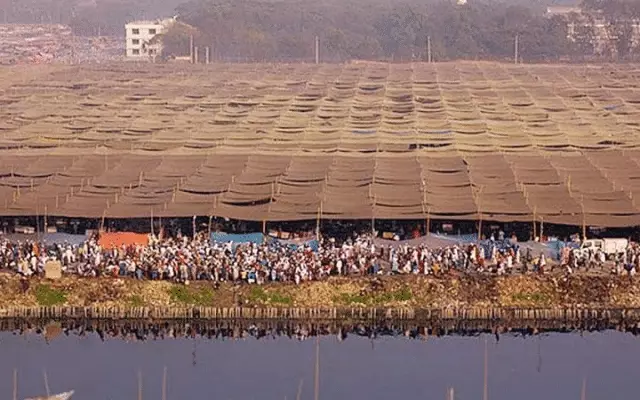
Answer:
(373, 218)
(584, 220)
(209, 228)
(535, 229)
(318, 224)
(264, 226)
(152, 233)
(478, 202)
(428, 230)
(193, 225)
(104, 214)
(45, 219)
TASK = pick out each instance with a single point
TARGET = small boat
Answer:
(61, 396)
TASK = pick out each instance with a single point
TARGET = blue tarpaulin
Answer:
(556, 247)
(295, 244)
(469, 238)
(238, 238)
(364, 131)
(501, 245)
(55, 238)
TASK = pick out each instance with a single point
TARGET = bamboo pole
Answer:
(45, 219)
(46, 383)
(209, 227)
(299, 394)
(373, 218)
(479, 202)
(15, 384)
(316, 380)
(164, 384)
(152, 233)
(485, 392)
(318, 223)
(535, 229)
(584, 220)
(583, 393)
(104, 214)
(451, 394)
(193, 225)
(428, 220)
(139, 385)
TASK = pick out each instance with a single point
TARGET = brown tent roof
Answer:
(283, 142)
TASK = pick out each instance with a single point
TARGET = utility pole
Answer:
(191, 49)
(429, 49)
(317, 50)
(517, 49)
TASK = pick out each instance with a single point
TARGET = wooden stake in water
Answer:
(139, 385)
(299, 395)
(15, 384)
(316, 389)
(46, 383)
(164, 384)
(485, 393)
(450, 394)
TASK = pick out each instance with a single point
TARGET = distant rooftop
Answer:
(562, 10)
(151, 21)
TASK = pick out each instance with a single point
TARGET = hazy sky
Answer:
(271, 369)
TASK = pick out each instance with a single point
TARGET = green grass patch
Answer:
(136, 301)
(192, 296)
(350, 298)
(48, 296)
(259, 295)
(530, 297)
(403, 294)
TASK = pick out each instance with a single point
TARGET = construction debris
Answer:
(20, 44)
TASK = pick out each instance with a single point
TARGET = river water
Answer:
(550, 366)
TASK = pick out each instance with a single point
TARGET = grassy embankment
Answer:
(416, 292)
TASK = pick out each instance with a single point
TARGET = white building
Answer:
(139, 35)
(601, 37)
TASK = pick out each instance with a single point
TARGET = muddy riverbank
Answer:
(398, 292)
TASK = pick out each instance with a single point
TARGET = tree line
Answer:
(285, 30)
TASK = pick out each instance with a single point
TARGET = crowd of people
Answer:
(627, 262)
(185, 259)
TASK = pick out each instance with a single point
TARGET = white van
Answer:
(610, 247)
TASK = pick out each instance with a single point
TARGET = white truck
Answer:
(610, 247)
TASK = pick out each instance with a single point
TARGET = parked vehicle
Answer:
(610, 247)
(61, 396)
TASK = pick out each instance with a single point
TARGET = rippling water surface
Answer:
(552, 366)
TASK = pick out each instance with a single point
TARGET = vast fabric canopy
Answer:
(465, 140)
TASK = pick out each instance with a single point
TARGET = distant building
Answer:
(576, 19)
(562, 10)
(140, 43)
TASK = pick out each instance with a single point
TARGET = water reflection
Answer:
(407, 361)
(140, 330)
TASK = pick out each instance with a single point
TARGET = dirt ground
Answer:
(407, 291)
